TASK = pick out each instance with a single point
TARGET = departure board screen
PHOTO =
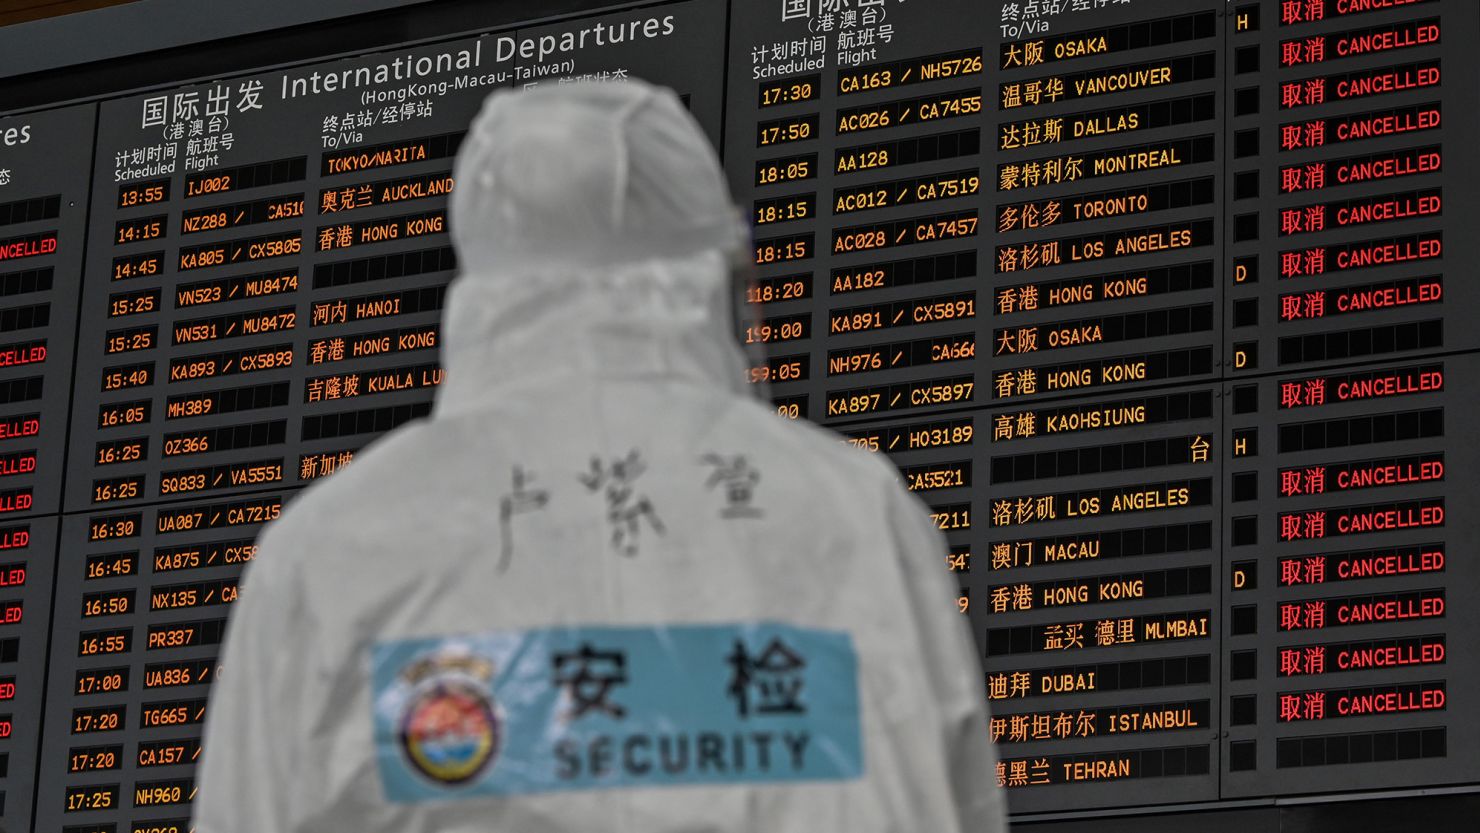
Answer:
(1145, 299)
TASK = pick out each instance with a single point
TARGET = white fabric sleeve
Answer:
(955, 670)
(250, 747)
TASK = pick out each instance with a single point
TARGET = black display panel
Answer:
(1051, 258)
(43, 222)
(27, 561)
(293, 257)
(43, 226)
(1152, 302)
(1350, 628)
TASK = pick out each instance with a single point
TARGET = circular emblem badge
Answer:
(450, 731)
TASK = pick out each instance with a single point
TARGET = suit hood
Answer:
(595, 236)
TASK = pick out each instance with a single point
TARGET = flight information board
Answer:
(43, 223)
(1073, 266)
(1146, 299)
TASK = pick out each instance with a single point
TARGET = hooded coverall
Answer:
(602, 587)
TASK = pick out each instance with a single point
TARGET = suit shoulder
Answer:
(803, 440)
(350, 493)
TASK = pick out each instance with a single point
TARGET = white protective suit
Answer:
(603, 587)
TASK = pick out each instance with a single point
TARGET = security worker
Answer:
(602, 587)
